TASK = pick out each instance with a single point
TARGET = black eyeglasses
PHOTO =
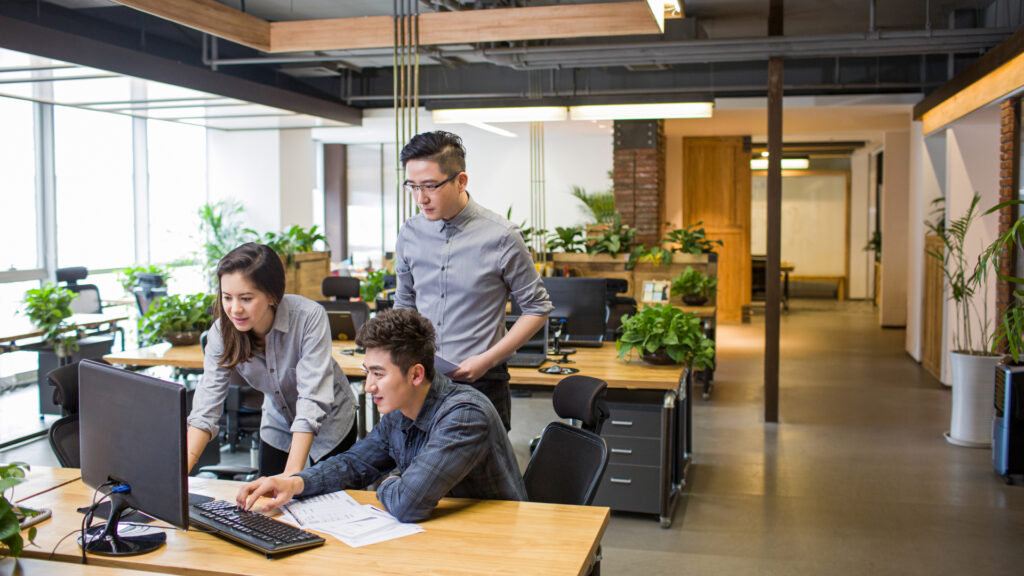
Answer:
(414, 188)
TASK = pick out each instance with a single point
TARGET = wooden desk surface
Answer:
(22, 328)
(40, 479)
(32, 567)
(600, 362)
(462, 537)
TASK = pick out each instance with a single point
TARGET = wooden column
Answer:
(336, 199)
(774, 223)
(639, 176)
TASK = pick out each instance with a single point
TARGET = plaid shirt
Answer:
(457, 446)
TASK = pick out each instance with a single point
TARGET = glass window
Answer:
(177, 189)
(364, 175)
(93, 157)
(18, 222)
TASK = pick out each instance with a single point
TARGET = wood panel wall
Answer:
(716, 191)
(931, 309)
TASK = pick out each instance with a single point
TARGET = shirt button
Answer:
(442, 295)
(442, 267)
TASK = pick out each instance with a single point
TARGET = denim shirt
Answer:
(456, 446)
(304, 389)
(459, 273)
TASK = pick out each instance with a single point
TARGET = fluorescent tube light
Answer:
(787, 164)
(493, 129)
(641, 111)
(524, 114)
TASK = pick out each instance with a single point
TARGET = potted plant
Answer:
(222, 231)
(128, 278)
(972, 360)
(691, 240)
(12, 516)
(664, 334)
(177, 319)
(48, 307)
(694, 287)
(617, 239)
(567, 239)
(373, 284)
(599, 206)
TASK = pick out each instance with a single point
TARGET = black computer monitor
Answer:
(582, 302)
(132, 433)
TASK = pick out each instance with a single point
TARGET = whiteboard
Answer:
(813, 222)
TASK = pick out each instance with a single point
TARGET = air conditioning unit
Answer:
(1008, 424)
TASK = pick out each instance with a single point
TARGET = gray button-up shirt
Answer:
(304, 389)
(457, 446)
(459, 274)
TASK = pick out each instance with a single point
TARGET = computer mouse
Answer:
(553, 369)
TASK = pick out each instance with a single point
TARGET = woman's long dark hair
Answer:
(261, 266)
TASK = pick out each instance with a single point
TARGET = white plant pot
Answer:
(973, 388)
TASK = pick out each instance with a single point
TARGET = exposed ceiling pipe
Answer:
(871, 16)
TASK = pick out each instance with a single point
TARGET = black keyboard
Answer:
(527, 360)
(251, 529)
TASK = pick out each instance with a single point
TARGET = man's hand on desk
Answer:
(471, 369)
(279, 488)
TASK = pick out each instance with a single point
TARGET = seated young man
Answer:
(444, 439)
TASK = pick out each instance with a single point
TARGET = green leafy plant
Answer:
(176, 313)
(1011, 331)
(600, 206)
(10, 513)
(528, 232)
(129, 276)
(294, 240)
(666, 327)
(690, 240)
(875, 245)
(373, 284)
(222, 231)
(1009, 243)
(617, 239)
(567, 239)
(693, 282)
(936, 224)
(47, 307)
(656, 255)
(965, 279)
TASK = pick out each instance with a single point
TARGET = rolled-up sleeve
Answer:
(405, 291)
(521, 276)
(314, 374)
(208, 402)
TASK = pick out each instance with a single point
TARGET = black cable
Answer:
(87, 517)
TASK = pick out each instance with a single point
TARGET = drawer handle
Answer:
(615, 480)
(622, 450)
(622, 422)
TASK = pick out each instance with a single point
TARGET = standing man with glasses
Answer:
(457, 263)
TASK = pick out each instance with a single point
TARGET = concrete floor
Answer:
(856, 478)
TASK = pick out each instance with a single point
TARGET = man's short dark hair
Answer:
(439, 146)
(406, 334)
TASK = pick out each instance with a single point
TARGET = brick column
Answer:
(1009, 182)
(639, 176)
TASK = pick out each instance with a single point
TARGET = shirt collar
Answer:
(440, 386)
(459, 220)
(281, 317)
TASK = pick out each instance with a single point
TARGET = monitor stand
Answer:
(105, 540)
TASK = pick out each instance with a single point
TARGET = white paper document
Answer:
(443, 366)
(339, 515)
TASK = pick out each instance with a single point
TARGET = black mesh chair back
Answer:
(567, 465)
(340, 287)
(65, 387)
(71, 275)
(88, 301)
(389, 282)
(148, 287)
(360, 310)
(64, 441)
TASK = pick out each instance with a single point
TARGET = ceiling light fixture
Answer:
(787, 164)
(493, 129)
(523, 114)
(642, 111)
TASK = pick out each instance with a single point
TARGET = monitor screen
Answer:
(132, 432)
(582, 302)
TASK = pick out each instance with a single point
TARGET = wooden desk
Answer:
(29, 566)
(41, 479)
(462, 537)
(22, 329)
(160, 355)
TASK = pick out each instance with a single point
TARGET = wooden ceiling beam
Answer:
(210, 17)
(461, 27)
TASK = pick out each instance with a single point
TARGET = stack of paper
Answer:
(339, 515)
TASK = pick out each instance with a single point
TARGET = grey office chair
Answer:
(360, 310)
(148, 287)
(340, 288)
(88, 301)
(63, 434)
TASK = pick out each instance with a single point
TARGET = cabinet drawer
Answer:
(633, 420)
(634, 451)
(630, 489)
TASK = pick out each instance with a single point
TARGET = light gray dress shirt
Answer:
(304, 389)
(459, 274)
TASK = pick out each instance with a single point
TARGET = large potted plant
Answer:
(12, 516)
(568, 239)
(177, 319)
(972, 360)
(48, 308)
(693, 287)
(664, 334)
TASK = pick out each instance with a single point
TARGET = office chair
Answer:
(340, 288)
(360, 310)
(568, 462)
(758, 278)
(148, 287)
(617, 306)
(63, 434)
(88, 301)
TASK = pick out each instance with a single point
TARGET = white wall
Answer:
(895, 213)
(860, 261)
(813, 221)
(297, 162)
(972, 165)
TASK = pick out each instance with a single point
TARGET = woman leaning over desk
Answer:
(280, 344)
